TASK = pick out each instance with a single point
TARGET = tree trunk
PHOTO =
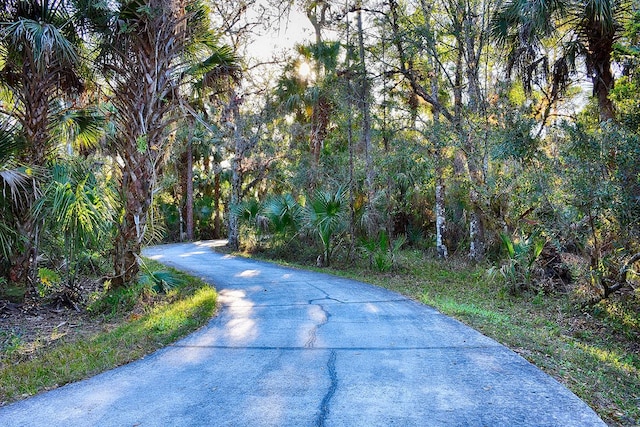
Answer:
(602, 85)
(601, 39)
(466, 58)
(441, 221)
(321, 110)
(137, 184)
(319, 128)
(476, 221)
(36, 123)
(145, 96)
(236, 181)
(217, 223)
(35, 126)
(365, 136)
(189, 191)
(441, 248)
(352, 196)
(440, 200)
(473, 47)
(236, 174)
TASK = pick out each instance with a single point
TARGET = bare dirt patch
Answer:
(24, 328)
(30, 326)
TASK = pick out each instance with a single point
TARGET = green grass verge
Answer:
(171, 316)
(593, 350)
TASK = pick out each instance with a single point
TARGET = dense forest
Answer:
(503, 132)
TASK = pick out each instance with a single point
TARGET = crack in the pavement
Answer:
(298, 304)
(311, 341)
(326, 298)
(298, 348)
(326, 294)
(324, 405)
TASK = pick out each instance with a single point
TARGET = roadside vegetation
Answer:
(115, 328)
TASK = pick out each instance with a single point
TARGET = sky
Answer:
(282, 36)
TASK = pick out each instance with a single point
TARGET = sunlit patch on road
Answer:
(248, 273)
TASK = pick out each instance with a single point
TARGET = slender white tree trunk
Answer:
(236, 181)
(441, 226)
(440, 216)
(236, 174)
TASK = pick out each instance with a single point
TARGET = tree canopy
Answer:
(460, 127)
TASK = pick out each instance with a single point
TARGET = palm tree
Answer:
(145, 53)
(309, 95)
(39, 72)
(587, 29)
(39, 49)
(142, 41)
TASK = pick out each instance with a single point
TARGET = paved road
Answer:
(294, 348)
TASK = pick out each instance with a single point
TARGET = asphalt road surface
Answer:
(296, 348)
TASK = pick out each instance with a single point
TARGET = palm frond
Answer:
(10, 143)
(77, 204)
(45, 42)
(220, 64)
(155, 229)
(327, 212)
(81, 129)
(15, 180)
(8, 238)
(284, 213)
(601, 12)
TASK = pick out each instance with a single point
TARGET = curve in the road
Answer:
(295, 348)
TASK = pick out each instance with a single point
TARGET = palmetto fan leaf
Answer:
(45, 41)
(13, 179)
(247, 211)
(8, 239)
(220, 63)
(82, 129)
(326, 213)
(14, 183)
(284, 213)
(76, 203)
(9, 142)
